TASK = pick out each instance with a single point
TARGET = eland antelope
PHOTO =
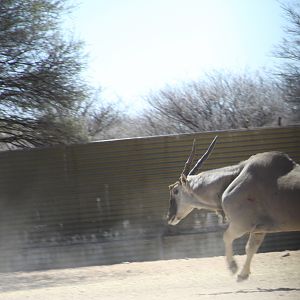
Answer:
(257, 196)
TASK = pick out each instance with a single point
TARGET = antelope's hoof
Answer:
(241, 277)
(233, 267)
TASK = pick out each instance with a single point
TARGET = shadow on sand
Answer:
(258, 290)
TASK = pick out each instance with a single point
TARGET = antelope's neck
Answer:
(208, 187)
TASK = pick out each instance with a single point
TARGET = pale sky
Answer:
(138, 46)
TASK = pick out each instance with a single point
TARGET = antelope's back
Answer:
(270, 165)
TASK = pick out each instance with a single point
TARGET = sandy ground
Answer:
(274, 276)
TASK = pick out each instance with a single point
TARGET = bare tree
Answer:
(288, 51)
(220, 101)
(100, 123)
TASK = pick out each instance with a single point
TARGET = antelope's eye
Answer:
(175, 192)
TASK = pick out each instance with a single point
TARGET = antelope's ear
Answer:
(183, 179)
(184, 182)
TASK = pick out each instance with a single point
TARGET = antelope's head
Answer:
(180, 192)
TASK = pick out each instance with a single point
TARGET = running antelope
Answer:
(257, 196)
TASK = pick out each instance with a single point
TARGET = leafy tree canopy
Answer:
(41, 89)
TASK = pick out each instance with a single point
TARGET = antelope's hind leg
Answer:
(229, 236)
(254, 242)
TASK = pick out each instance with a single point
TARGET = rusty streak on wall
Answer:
(108, 199)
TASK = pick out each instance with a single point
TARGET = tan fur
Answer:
(257, 196)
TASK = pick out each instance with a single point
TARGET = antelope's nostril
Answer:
(166, 217)
(170, 217)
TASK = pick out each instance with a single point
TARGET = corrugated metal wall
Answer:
(105, 202)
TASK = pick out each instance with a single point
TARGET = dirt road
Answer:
(274, 276)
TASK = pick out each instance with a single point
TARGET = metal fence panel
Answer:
(105, 202)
